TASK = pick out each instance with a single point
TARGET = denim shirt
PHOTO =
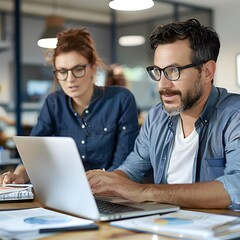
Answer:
(104, 133)
(218, 155)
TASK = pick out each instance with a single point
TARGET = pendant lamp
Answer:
(54, 25)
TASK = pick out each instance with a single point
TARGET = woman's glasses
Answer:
(78, 72)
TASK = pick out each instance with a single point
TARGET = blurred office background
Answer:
(26, 78)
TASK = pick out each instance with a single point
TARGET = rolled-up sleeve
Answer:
(231, 177)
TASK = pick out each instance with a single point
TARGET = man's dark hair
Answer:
(204, 41)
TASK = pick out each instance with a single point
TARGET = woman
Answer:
(102, 120)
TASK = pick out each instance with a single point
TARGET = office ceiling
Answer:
(99, 11)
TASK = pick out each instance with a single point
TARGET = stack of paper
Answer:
(186, 225)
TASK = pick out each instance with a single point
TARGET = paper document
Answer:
(39, 220)
(186, 224)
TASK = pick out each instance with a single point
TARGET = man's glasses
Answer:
(172, 73)
(78, 72)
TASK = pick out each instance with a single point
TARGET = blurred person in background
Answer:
(115, 76)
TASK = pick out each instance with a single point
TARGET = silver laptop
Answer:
(57, 174)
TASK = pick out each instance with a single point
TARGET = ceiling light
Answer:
(54, 25)
(47, 43)
(131, 40)
(131, 5)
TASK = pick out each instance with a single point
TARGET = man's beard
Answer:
(188, 101)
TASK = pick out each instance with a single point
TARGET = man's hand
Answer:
(197, 195)
(113, 184)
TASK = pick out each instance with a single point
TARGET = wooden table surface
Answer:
(105, 231)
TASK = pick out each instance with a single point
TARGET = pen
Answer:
(92, 226)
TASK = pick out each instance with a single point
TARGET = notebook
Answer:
(57, 174)
(16, 192)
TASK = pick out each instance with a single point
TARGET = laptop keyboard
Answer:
(109, 207)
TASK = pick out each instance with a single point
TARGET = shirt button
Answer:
(83, 126)
(124, 128)
(82, 142)
(75, 114)
(105, 129)
(83, 156)
(86, 111)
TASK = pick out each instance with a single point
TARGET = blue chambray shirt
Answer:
(218, 156)
(104, 134)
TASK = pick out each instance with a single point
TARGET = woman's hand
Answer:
(9, 177)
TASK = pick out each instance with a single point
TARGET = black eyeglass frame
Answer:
(71, 69)
(150, 68)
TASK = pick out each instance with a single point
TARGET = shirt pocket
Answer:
(101, 142)
(215, 167)
(101, 129)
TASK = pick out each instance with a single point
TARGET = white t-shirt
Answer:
(181, 162)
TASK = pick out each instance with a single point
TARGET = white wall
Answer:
(226, 19)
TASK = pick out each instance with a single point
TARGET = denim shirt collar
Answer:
(209, 107)
(201, 121)
(206, 113)
(97, 93)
